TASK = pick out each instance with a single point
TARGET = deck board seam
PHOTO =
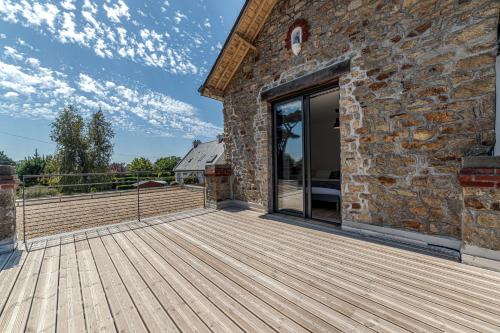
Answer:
(260, 285)
(166, 281)
(375, 273)
(222, 289)
(297, 291)
(140, 275)
(196, 287)
(102, 285)
(250, 250)
(395, 271)
(80, 284)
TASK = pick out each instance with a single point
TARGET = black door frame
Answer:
(306, 144)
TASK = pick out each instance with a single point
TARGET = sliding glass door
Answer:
(307, 172)
(289, 154)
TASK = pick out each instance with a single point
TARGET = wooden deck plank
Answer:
(184, 317)
(44, 308)
(98, 316)
(215, 319)
(263, 251)
(17, 309)
(402, 311)
(323, 253)
(244, 319)
(304, 318)
(122, 306)
(272, 317)
(70, 310)
(485, 284)
(155, 317)
(313, 228)
(313, 258)
(335, 318)
(8, 276)
(227, 271)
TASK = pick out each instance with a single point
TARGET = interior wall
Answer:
(325, 139)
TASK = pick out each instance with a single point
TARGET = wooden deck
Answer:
(230, 271)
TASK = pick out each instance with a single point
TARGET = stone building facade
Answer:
(419, 95)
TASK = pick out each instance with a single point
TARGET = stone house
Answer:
(410, 88)
(200, 155)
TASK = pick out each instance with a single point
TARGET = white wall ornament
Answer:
(297, 36)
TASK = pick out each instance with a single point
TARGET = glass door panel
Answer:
(289, 156)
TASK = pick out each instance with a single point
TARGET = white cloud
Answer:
(116, 11)
(207, 23)
(179, 17)
(12, 53)
(68, 4)
(87, 26)
(11, 94)
(33, 91)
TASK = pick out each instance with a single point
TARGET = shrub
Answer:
(191, 180)
(124, 187)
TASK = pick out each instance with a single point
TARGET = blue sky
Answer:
(141, 62)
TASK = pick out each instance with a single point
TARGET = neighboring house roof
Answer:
(198, 157)
(142, 182)
(239, 42)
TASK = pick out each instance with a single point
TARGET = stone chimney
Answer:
(196, 143)
(8, 183)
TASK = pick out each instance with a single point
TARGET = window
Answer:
(211, 158)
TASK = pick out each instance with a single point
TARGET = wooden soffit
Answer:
(238, 44)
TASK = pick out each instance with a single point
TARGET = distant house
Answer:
(150, 183)
(193, 164)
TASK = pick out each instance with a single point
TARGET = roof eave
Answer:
(203, 89)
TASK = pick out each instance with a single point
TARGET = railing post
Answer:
(24, 214)
(138, 200)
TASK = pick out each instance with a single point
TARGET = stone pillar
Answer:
(480, 180)
(8, 182)
(218, 185)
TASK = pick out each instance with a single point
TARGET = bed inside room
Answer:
(325, 168)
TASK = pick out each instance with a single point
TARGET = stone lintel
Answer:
(218, 170)
(313, 80)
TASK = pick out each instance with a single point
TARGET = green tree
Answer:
(166, 165)
(68, 132)
(6, 160)
(100, 148)
(31, 165)
(140, 164)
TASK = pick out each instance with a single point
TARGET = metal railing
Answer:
(60, 203)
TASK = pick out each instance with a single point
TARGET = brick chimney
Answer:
(196, 143)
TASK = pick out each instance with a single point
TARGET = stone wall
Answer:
(419, 95)
(7, 208)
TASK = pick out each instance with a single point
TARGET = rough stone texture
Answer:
(481, 214)
(7, 206)
(420, 93)
(217, 183)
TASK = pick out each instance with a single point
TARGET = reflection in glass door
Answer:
(289, 156)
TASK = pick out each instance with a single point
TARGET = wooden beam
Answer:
(228, 66)
(244, 41)
(233, 71)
